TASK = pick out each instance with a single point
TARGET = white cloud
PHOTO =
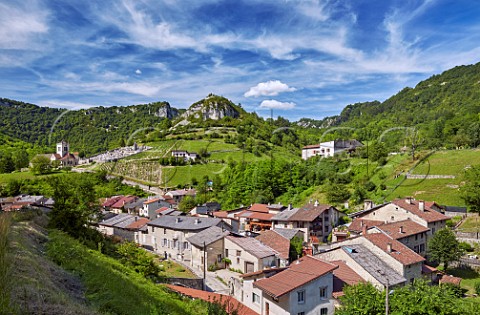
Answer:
(138, 71)
(274, 104)
(19, 25)
(269, 88)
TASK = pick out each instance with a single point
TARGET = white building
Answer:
(185, 155)
(330, 148)
(305, 287)
(249, 255)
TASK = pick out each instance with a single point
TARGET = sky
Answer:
(299, 58)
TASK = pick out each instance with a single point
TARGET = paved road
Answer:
(212, 281)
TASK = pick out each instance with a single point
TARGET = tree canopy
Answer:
(444, 247)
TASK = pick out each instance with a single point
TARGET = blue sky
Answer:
(301, 58)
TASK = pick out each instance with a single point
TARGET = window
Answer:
(323, 292)
(416, 237)
(164, 242)
(219, 258)
(301, 313)
(324, 311)
(164, 231)
(185, 245)
(239, 252)
(153, 229)
(255, 298)
(301, 296)
(238, 260)
(392, 218)
(226, 252)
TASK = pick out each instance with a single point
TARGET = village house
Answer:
(151, 205)
(119, 205)
(304, 287)
(168, 234)
(123, 225)
(206, 209)
(64, 156)
(378, 248)
(249, 255)
(24, 201)
(314, 219)
(184, 155)
(330, 148)
(279, 240)
(178, 195)
(208, 245)
(421, 212)
(134, 207)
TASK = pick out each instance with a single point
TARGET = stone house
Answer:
(208, 245)
(169, 234)
(330, 148)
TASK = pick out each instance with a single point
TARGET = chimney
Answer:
(364, 229)
(136, 218)
(178, 220)
(197, 221)
(409, 200)
(400, 229)
(367, 204)
(389, 247)
(316, 203)
(289, 206)
(421, 205)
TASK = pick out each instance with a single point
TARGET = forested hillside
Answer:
(445, 108)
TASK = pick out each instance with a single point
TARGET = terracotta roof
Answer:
(275, 241)
(342, 276)
(309, 212)
(408, 228)
(151, 201)
(162, 209)
(429, 215)
(426, 269)
(256, 215)
(400, 252)
(110, 201)
(122, 201)
(311, 146)
(138, 223)
(450, 279)
(299, 273)
(230, 303)
(220, 214)
(356, 225)
(264, 271)
(259, 207)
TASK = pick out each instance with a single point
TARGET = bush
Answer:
(477, 287)
(466, 247)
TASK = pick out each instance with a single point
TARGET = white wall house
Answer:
(305, 287)
(329, 148)
(248, 255)
(208, 245)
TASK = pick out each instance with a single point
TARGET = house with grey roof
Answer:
(124, 225)
(169, 234)
(249, 255)
(208, 245)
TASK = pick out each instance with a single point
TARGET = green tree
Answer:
(470, 192)
(20, 159)
(187, 204)
(296, 248)
(361, 299)
(6, 163)
(444, 247)
(337, 193)
(40, 165)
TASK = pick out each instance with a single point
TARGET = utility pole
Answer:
(386, 299)
(204, 267)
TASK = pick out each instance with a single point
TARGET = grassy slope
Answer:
(112, 287)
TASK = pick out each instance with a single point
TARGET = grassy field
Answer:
(449, 162)
(4, 178)
(175, 270)
(180, 175)
(469, 278)
(470, 224)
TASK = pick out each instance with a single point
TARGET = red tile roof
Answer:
(426, 269)
(151, 201)
(257, 215)
(110, 201)
(259, 207)
(408, 227)
(229, 302)
(299, 273)
(220, 214)
(429, 215)
(356, 225)
(342, 276)
(137, 224)
(450, 279)
(400, 252)
(123, 201)
(161, 209)
(264, 271)
(309, 212)
(275, 241)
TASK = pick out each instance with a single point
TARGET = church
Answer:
(64, 156)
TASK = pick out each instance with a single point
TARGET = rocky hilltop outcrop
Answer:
(213, 107)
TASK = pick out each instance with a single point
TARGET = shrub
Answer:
(466, 247)
(477, 287)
